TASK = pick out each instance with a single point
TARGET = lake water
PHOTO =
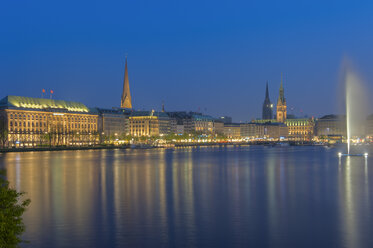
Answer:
(253, 196)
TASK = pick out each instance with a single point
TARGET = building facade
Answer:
(33, 122)
(331, 125)
(149, 123)
(301, 129)
(112, 123)
(194, 122)
(276, 131)
(369, 127)
(267, 112)
(252, 130)
(232, 130)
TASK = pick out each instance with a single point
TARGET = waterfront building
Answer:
(232, 130)
(225, 119)
(301, 129)
(173, 125)
(281, 105)
(149, 123)
(179, 129)
(194, 122)
(252, 130)
(267, 112)
(331, 125)
(219, 126)
(112, 123)
(126, 100)
(369, 127)
(37, 121)
(276, 131)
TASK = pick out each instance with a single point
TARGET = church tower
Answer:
(281, 104)
(267, 107)
(126, 101)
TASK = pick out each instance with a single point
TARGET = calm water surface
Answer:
(202, 197)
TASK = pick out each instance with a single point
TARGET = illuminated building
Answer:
(275, 131)
(218, 126)
(252, 130)
(126, 101)
(301, 129)
(298, 129)
(149, 123)
(112, 123)
(267, 106)
(369, 127)
(281, 105)
(331, 125)
(194, 122)
(232, 130)
(38, 121)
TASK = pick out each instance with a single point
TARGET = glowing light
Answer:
(366, 154)
(339, 154)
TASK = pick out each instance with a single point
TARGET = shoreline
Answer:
(177, 145)
(70, 148)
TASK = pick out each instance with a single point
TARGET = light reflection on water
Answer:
(205, 197)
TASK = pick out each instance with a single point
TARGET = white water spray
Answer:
(356, 106)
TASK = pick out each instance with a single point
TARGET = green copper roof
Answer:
(42, 103)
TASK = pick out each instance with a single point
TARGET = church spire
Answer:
(267, 106)
(267, 94)
(281, 96)
(281, 114)
(126, 101)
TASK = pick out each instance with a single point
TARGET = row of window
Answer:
(42, 130)
(43, 117)
(32, 124)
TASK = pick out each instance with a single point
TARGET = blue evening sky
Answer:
(212, 56)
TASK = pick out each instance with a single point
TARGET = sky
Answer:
(208, 56)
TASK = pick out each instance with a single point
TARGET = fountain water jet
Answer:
(355, 104)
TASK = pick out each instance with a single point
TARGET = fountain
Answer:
(355, 108)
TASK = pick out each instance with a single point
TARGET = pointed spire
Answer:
(126, 101)
(162, 106)
(267, 94)
(281, 96)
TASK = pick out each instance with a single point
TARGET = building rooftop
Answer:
(41, 104)
(331, 117)
(149, 113)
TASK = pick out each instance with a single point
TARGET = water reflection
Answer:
(209, 197)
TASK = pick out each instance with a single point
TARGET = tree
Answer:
(11, 211)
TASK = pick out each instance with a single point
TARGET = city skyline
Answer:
(213, 61)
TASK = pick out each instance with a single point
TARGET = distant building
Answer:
(37, 121)
(149, 123)
(301, 129)
(232, 130)
(179, 129)
(194, 122)
(126, 100)
(331, 125)
(113, 122)
(369, 127)
(275, 131)
(219, 126)
(225, 119)
(252, 130)
(281, 105)
(267, 106)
